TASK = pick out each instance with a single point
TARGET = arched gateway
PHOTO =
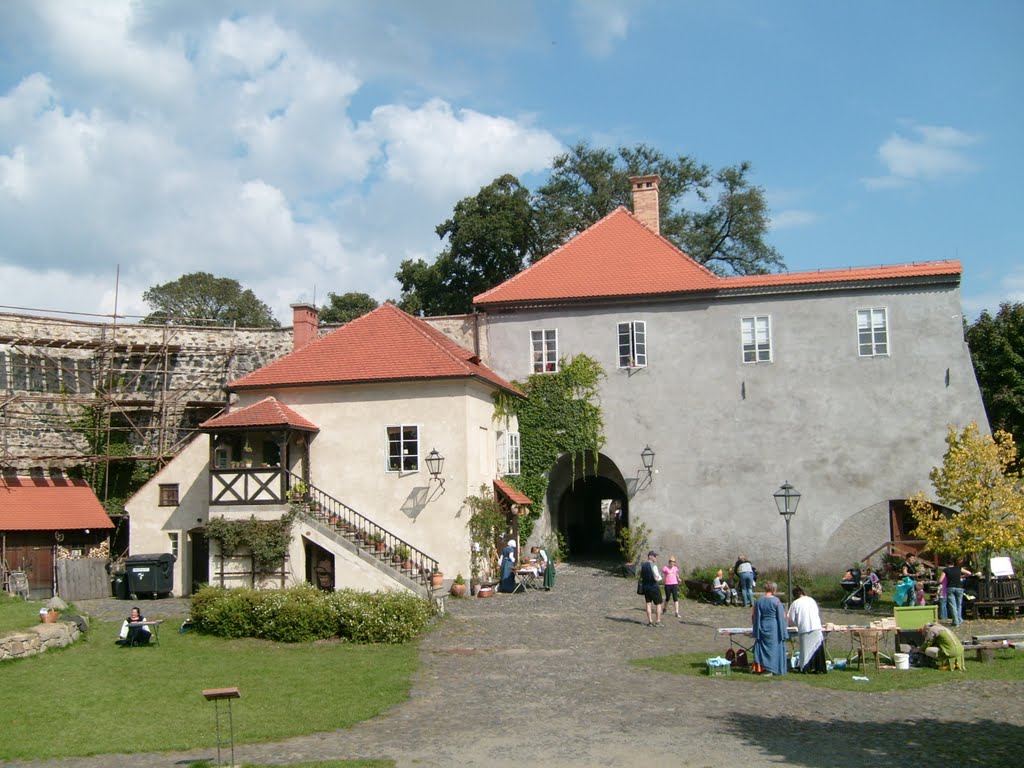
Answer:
(588, 504)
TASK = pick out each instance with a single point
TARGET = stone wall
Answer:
(157, 383)
(29, 642)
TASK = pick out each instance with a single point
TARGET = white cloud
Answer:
(600, 24)
(444, 152)
(792, 218)
(935, 152)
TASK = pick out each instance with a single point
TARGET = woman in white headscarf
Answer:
(509, 556)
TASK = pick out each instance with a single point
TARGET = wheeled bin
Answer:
(119, 585)
(150, 575)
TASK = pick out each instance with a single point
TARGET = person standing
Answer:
(509, 560)
(671, 574)
(546, 567)
(770, 633)
(745, 573)
(954, 573)
(650, 587)
(804, 614)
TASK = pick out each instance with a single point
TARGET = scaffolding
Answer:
(80, 393)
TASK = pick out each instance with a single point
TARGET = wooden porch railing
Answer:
(899, 548)
(391, 550)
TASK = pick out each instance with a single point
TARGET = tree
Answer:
(200, 298)
(979, 480)
(727, 235)
(997, 349)
(341, 308)
(489, 236)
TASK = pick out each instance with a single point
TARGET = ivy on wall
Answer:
(560, 415)
(265, 541)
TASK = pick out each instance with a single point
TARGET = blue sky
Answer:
(311, 146)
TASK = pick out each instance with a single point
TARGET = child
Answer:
(919, 596)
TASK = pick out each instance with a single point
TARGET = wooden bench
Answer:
(699, 590)
(997, 638)
(985, 651)
(974, 608)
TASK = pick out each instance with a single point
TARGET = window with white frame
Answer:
(873, 332)
(508, 453)
(403, 448)
(544, 350)
(173, 539)
(633, 344)
(756, 337)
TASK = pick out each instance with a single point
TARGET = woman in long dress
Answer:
(804, 614)
(509, 558)
(770, 633)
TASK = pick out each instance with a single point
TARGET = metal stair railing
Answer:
(377, 541)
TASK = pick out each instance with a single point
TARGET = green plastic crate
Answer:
(915, 616)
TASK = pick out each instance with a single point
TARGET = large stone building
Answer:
(841, 382)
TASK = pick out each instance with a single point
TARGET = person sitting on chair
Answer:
(721, 592)
(130, 635)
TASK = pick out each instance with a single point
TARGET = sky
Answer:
(311, 146)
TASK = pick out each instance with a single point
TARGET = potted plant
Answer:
(50, 617)
(404, 555)
(436, 579)
(631, 545)
(377, 539)
(459, 586)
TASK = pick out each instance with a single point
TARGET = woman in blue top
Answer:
(770, 633)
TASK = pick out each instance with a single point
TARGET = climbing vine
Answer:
(560, 415)
(266, 540)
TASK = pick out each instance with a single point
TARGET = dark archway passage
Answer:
(591, 512)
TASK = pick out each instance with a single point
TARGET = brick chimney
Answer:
(305, 325)
(645, 201)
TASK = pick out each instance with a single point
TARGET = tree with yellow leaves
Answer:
(980, 481)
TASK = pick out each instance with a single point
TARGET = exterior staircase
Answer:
(358, 534)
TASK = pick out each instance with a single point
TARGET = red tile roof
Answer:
(386, 344)
(617, 256)
(268, 412)
(516, 497)
(49, 504)
(620, 257)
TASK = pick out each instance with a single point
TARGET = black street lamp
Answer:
(786, 499)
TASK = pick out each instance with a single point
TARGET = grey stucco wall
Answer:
(850, 433)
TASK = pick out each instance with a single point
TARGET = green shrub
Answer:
(304, 613)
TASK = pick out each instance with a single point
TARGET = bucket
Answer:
(839, 664)
(902, 660)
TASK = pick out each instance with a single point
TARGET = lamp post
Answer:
(786, 499)
(647, 457)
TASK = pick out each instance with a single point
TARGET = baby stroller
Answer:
(856, 590)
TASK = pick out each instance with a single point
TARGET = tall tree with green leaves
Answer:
(490, 236)
(341, 308)
(997, 349)
(199, 298)
(980, 482)
(726, 233)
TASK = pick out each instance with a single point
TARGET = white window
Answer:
(508, 453)
(545, 351)
(173, 538)
(403, 448)
(756, 337)
(633, 344)
(872, 332)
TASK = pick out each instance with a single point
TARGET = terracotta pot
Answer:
(436, 579)
(485, 592)
(458, 590)
(50, 617)
(378, 546)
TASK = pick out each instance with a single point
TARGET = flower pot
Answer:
(458, 590)
(50, 617)
(485, 592)
(436, 579)
(378, 546)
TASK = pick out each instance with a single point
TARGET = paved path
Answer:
(543, 678)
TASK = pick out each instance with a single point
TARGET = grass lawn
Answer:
(1008, 665)
(16, 613)
(95, 697)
